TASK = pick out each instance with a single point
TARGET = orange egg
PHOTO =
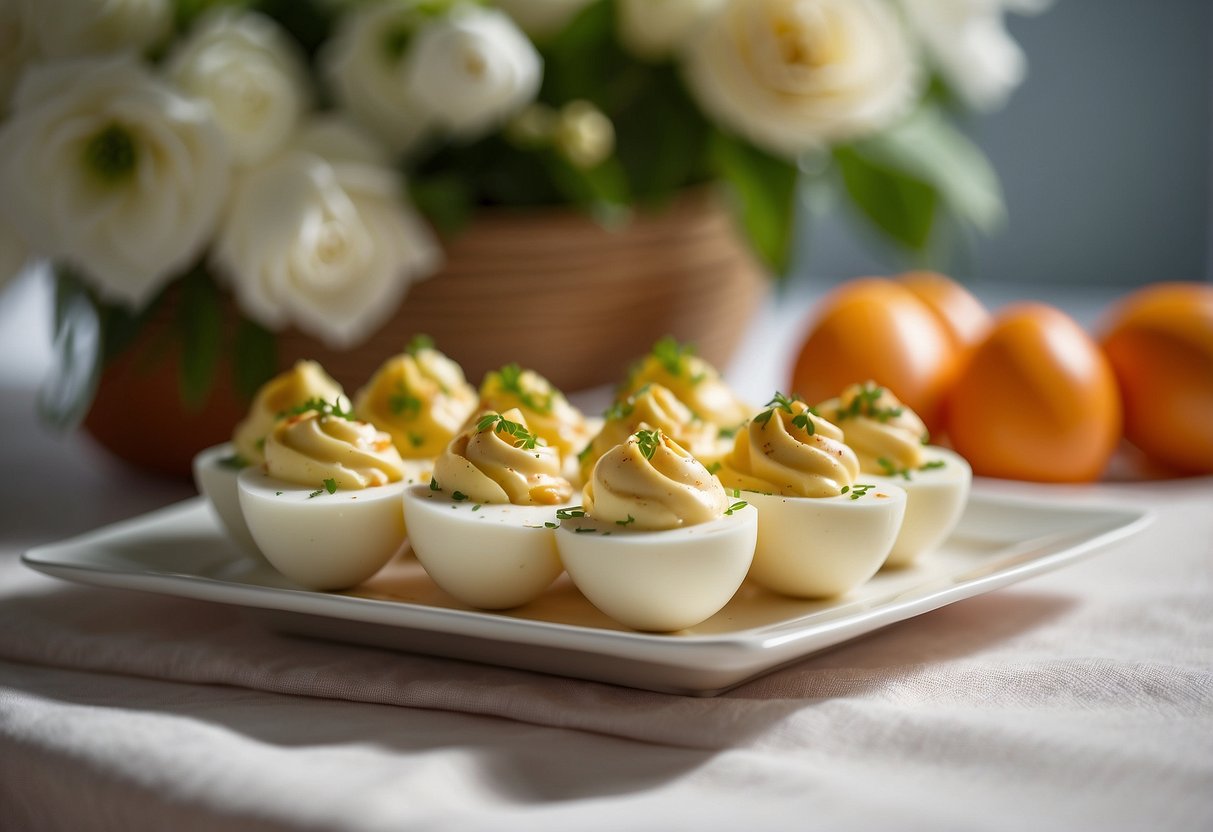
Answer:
(1036, 400)
(963, 316)
(1159, 341)
(875, 329)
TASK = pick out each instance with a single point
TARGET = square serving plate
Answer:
(181, 550)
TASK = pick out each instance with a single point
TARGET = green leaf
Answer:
(923, 153)
(256, 358)
(900, 205)
(200, 322)
(67, 393)
(764, 191)
(447, 199)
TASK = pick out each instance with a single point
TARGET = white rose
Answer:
(473, 69)
(542, 17)
(657, 28)
(791, 75)
(74, 28)
(17, 44)
(365, 64)
(970, 46)
(321, 237)
(250, 72)
(105, 167)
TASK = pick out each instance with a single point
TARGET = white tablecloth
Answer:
(1081, 699)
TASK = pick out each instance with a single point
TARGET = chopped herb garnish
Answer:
(737, 506)
(277, 493)
(934, 463)
(867, 403)
(510, 379)
(727, 433)
(434, 485)
(550, 525)
(584, 530)
(619, 410)
(416, 440)
(672, 355)
(333, 408)
(523, 438)
(260, 444)
(403, 403)
(584, 453)
(458, 496)
(714, 467)
(476, 507)
(736, 492)
(648, 440)
(570, 513)
(856, 491)
(234, 461)
(627, 522)
(804, 421)
(315, 493)
(418, 343)
(330, 485)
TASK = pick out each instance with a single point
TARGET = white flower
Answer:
(542, 17)
(74, 28)
(105, 167)
(17, 44)
(13, 252)
(365, 64)
(970, 46)
(657, 28)
(321, 237)
(473, 69)
(792, 75)
(252, 75)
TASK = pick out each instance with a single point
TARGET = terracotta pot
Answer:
(550, 289)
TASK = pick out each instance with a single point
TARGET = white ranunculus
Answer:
(13, 252)
(473, 69)
(105, 167)
(18, 45)
(542, 17)
(967, 41)
(321, 237)
(75, 28)
(365, 64)
(250, 72)
(658, 28)
(793, 75)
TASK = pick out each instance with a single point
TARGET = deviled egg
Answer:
(821, 533)
(695, 383)
(483, 526)
(890, 441)
(325, 507)
(656, 408)
(421, 399)
(658, 545)
(216, 468)
(545, 409)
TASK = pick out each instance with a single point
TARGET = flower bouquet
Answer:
(304, 162)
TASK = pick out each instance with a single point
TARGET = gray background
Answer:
(1104, 154)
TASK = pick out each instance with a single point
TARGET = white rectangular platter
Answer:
(180, 550)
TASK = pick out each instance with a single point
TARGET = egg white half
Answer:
(326, 541)
(935, 500)
(819, 547)
(217, 482)
(488, 556)
(659, 580)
